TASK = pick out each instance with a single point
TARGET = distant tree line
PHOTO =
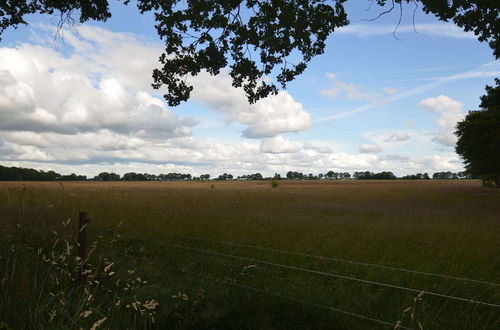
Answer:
(256, 176)
(29, 174)
(225, 176)
(132, 176)
(330, 175)
(367, 175)
(451, 176)
(418, 176)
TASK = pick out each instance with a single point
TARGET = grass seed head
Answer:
(98, 323)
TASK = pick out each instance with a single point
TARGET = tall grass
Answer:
(45, 285)
(442, 227)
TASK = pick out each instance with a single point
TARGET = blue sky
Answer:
(370, 102)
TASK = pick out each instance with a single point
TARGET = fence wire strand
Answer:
(464, 279)
(393, 286)
(334, 309)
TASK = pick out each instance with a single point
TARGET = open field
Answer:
(441, 227)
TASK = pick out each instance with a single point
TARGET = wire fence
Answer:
(396, 325)
(352, 262)
(349, 278)
(333, 309)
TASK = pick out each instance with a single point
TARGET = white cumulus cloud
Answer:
(279, 144)
(369, 148)
(274, 115)
(450, 112)
(42, 90)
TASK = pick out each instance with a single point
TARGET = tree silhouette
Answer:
(479, 137)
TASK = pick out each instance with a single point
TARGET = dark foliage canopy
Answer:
(254, 39)
(479, 137)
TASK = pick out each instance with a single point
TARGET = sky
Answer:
(373, 101)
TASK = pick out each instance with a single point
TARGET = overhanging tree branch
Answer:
(273, 30)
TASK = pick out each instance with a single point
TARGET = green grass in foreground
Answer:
(445, 227)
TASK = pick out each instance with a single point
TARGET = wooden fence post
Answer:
(82, 242)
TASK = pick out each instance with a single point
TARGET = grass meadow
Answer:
(163, 255)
